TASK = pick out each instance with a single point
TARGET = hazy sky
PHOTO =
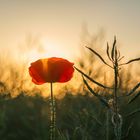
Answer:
(58, 23)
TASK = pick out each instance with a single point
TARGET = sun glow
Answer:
(49, 49)
(46, 49)
(53, 50)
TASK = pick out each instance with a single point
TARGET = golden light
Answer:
(53, 49)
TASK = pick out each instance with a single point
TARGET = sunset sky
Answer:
(58, 24)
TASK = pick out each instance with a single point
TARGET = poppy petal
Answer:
(51, 70)
(35, 76)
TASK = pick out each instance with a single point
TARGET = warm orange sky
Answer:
(58, 23)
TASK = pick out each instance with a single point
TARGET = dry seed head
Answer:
(111, 102)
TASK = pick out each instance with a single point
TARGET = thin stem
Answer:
(53, 114)
(107, 123)
(117, 119)
(115, 89)
(116, 100)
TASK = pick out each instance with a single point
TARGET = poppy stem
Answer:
(53, 114)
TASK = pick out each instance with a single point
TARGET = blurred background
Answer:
(34, 29)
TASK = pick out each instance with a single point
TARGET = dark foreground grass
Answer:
(79, 117)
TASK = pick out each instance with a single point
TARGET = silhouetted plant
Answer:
(112, 103)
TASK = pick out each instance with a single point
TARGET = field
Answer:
(80, 113)
(78, 117)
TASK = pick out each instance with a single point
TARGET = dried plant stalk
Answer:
(115, 57)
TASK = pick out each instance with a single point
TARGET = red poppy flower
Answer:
(51, 70)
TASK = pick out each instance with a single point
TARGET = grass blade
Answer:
(107, 52)
(113, 48)
(95, 94)
(97, 83)
(133, 90)
(133, 113)
(119, 54)
(130, 61)
(134, 98)
(99, 56)
(120, 58)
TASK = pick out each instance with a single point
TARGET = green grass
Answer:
(79, 117)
